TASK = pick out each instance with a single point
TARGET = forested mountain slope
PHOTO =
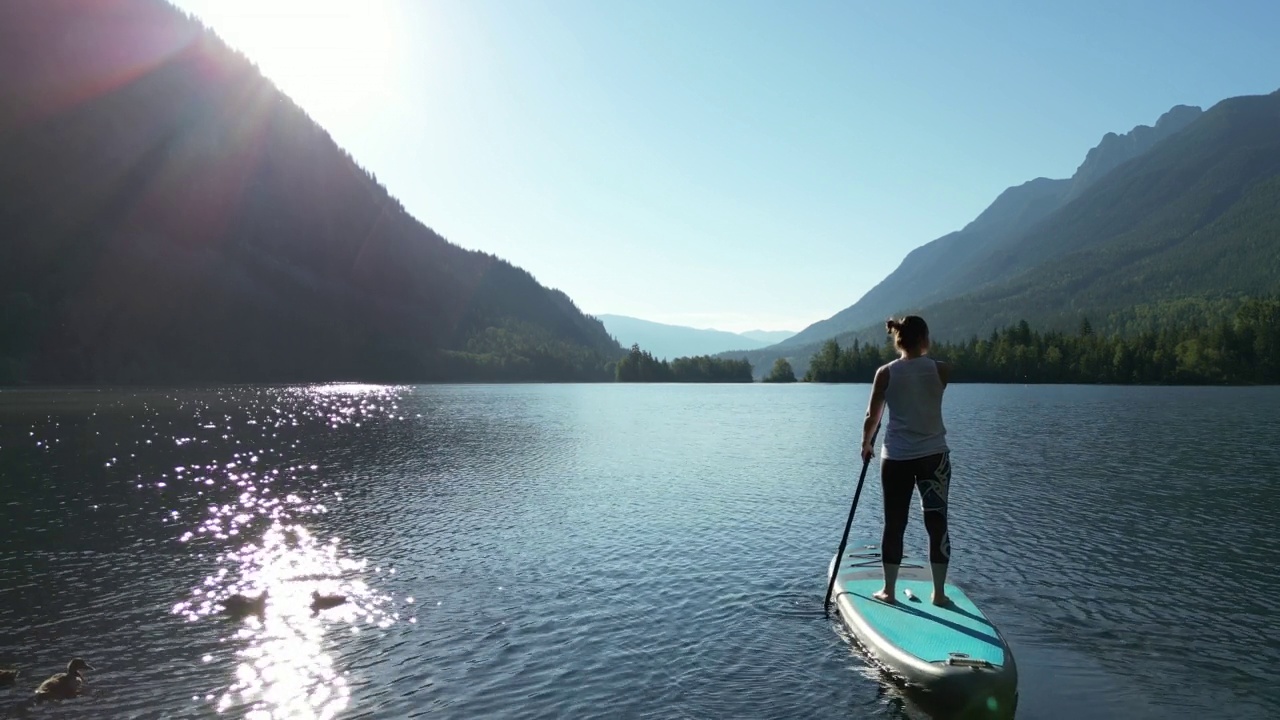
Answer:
(167, 215)
(1198, 216)
(1185, 230)
(959, 262)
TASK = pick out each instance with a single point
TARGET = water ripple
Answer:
(588, 551)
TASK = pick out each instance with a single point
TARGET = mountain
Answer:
(1115, 149)
(925, 271)
(1182, 232)
(768, 336)
(953, 264)
(673, 341)
(170, 216)
(1197, 217)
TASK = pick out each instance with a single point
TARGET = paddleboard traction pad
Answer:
(953, 651)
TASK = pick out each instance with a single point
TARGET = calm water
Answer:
(619, 551)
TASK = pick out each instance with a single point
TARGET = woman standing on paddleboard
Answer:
(914, 453)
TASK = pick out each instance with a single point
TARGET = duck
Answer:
(320, 602)
(240, 604)
(8, 676)
(64, 684)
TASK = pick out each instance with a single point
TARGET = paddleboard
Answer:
(954, 653)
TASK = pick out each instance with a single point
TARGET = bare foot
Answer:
(883, 596)
(941, 600)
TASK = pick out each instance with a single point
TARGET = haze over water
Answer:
(622, 551)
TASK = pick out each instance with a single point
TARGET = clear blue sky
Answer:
(735, 164)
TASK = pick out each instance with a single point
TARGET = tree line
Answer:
(641, 366)
(1240, 349)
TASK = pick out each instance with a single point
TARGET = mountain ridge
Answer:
(171, 216)
(768, 336)
(1113, 150)
(1199, 216)
(952, 264)
(670, 341)
(1195, 219)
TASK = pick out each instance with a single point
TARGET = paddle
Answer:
(835, 569)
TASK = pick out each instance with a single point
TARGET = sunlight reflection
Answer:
(291, 600)
(285, 667)
(351, 389)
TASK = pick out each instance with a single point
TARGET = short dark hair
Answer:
(909, 333)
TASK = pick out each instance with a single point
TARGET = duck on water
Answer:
(321, 602)
(240, 605)
(64, 684)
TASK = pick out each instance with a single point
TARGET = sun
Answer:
(332, 57)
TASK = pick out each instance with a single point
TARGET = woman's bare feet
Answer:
(883, 596)
(939, 571)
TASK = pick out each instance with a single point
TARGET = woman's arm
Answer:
(874, 409)
(944, 372)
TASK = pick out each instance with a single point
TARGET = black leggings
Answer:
(898, 478)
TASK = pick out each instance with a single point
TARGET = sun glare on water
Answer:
(330, 56)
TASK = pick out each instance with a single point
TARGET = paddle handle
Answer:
(848, 523)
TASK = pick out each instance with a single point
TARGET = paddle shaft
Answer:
(844, 539)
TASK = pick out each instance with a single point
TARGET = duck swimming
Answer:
(240, 605)
(320, 602)
(64, 684)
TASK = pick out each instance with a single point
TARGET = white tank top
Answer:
(914, 400)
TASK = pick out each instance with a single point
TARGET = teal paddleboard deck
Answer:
(954, 651)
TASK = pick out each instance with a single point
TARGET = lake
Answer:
(620, 551)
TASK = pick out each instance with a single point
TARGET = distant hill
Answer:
(1180, 232)
(953, 264)
(768, 336)
(170, 216)
(673, 341)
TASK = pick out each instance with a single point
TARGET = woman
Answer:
(914, 453)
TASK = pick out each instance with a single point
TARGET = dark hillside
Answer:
(167, 215)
